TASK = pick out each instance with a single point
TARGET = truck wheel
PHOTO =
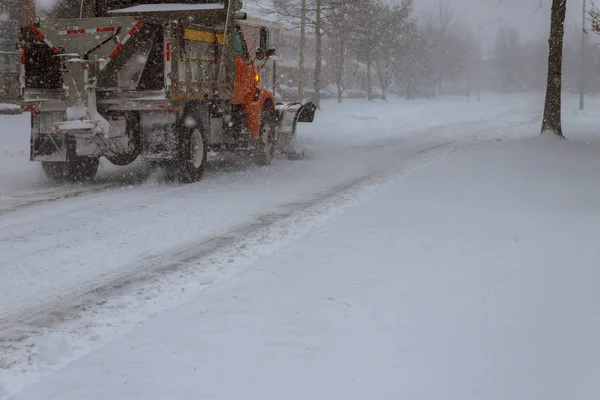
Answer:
(75, 170)
(265, 146)
(190, 168)
(134, 144)
(123, 159)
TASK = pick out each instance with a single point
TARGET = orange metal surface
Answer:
(243, 89)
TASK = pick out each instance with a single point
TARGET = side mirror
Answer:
(236, 4)
(264, 38)
(262, 54)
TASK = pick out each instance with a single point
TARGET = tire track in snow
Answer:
(138, 174)
(160, 279)
(134, 176)
(54, 311)
(13, 203)
(59, 310)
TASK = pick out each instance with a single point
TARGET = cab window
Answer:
(239, 46)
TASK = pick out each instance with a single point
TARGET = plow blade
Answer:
(289, 114)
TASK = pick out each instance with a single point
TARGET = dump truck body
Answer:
(146, 80)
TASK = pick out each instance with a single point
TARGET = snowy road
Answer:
(66, 246)
(129, 244)
(470, 277)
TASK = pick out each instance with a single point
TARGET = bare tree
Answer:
(343, 27)
(368, 39)
(440, 16)
(508, 54)
(392, 36)
(370, 31)
(292, 13)
(417, 62)
(319, 52)
(324, 17)
(551, 122)
(594, 15)
(301, 55)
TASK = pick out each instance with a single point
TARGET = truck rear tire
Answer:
(193, 153)
(123, 159)
(77, 169)
(267, 140)
(132, 120)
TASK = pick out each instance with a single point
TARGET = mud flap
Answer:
(288, 116)
(49, 147)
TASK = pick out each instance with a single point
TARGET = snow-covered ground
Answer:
(8, 106)
(364, 271)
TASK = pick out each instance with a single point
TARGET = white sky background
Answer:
(518, 13)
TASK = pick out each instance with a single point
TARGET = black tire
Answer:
(267, 140)
(77, 169)
(123, 159)
(193, 153)
(135, 145)
(296, 155)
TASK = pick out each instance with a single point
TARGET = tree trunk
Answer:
(318, 56)
(369, 82)
(552, 108)
(468, 88)
(301, 55)
(339, 71)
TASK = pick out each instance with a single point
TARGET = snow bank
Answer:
(397, 116)
(7, 108)
(16, 171)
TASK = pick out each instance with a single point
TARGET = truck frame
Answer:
(164, 82)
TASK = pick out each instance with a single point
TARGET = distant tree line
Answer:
(399, 50)
(521, 64)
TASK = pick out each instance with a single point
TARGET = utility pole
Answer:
(582, 77)
(318, 56)
(301, 61)
(479, 62)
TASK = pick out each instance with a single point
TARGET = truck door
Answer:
(243, 90)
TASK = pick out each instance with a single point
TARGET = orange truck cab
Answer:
(247, 90)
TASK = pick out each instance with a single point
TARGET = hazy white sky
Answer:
(519, 13)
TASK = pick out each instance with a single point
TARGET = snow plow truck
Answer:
(166, 82)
